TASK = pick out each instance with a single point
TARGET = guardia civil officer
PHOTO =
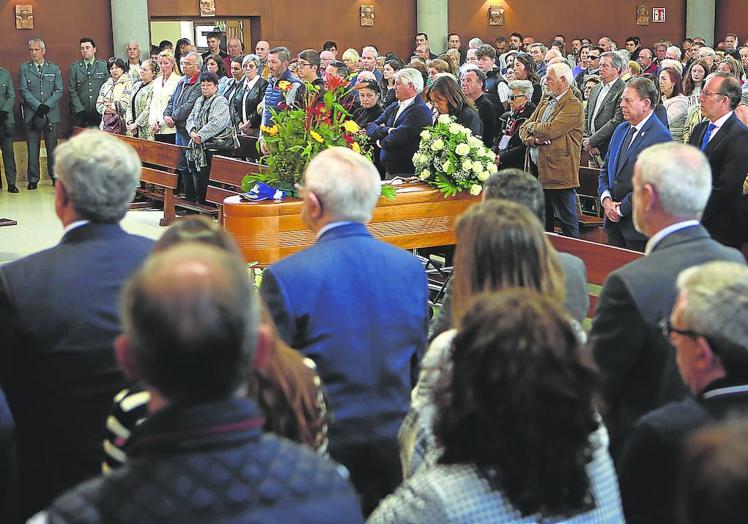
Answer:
(7, 98)
(86, 77)
(40, 86)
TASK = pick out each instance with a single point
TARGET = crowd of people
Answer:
(151, 382)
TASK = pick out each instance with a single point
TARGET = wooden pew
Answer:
(226, 175)
(160, 161)
(600, 260)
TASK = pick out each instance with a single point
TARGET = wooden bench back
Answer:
(600, 260)
(229, 173)
(588, 181)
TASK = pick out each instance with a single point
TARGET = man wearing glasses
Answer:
(707, 328)
(308, 68)
(671, 185)
(724, 140)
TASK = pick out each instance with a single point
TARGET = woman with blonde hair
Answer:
(139, 108)
(163, 87)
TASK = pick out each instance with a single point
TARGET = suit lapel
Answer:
(637, 144)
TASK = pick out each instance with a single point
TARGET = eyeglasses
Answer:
(303, 64)
(667, 329)
(711, 93)
(515, 97)
(594, 57)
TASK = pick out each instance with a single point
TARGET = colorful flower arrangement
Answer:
(298, 134)
(451, 159)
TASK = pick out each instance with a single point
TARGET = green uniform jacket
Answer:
(84, 86)
(7, 99)
(37, 89)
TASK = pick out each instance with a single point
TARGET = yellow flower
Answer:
(351, 126)
(356, 147)
(283, 85)
(272, 131)
(317, 136)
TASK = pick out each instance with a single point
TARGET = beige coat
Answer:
(558, 162)
(162, 92)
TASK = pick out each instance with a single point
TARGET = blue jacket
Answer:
(357, 307)
(273, 96)
(618, 168)
(401, 143)
(211, 463)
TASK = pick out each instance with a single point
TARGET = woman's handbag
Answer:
(224, 142)
(113, 123)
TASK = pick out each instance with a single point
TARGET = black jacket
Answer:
(249, 102)
(211, 463)
(514, 154)
(469, 118)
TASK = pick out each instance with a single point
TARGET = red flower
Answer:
(348, 139)
(282, 106)
(334, 82)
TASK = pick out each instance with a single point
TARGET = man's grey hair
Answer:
(37, 41)
(251, 58)
(681, 176)
(617, 60)
(708, 51)
(99, 174)
(369, 48)
(472, 68)
(675, 50)
(197, 56)
(410, 76)
(283, 54)
(132, 42)
(542, 47)
(475, 43)
(523, 86)
(717, 302)
(562, 70)
(346, 183)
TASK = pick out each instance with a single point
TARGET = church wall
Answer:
(731, 18)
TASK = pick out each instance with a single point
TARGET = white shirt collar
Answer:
(74, 225)
(641, 124)
(662, 233)
(332, 225)
(721, 121)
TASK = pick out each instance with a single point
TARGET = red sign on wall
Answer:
(658, 14)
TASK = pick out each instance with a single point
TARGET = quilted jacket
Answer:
(211, 463)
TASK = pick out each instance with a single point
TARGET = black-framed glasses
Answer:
(515, 97)
(667, 329)
(594, 57)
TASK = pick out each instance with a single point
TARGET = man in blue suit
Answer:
(638, 132)
(59, 318)
(357, 307)
(398, 130)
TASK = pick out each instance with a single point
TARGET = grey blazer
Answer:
(607, 118)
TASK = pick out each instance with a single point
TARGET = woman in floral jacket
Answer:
(114, 95)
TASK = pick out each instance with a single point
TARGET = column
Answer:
(431, 18)
(700, 19)
(130, 22)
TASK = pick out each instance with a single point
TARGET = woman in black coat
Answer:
(448, 99)
(511, 150)
(244, 107)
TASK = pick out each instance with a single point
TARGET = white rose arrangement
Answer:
(451, 159)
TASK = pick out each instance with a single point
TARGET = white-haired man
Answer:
(369, 61)
(59, 319)
(398, 130)
(365, 329)
(671, 186)
(554, 135)
(709, 330)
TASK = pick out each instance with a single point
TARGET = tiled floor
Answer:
(39, 228)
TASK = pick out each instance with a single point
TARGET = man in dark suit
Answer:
(671, 185)
(358, 308)
(724, 140)
(604, 113)
(641, 130)
(398, 130)
(708, 330)
(59, 318)
(523, 188)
